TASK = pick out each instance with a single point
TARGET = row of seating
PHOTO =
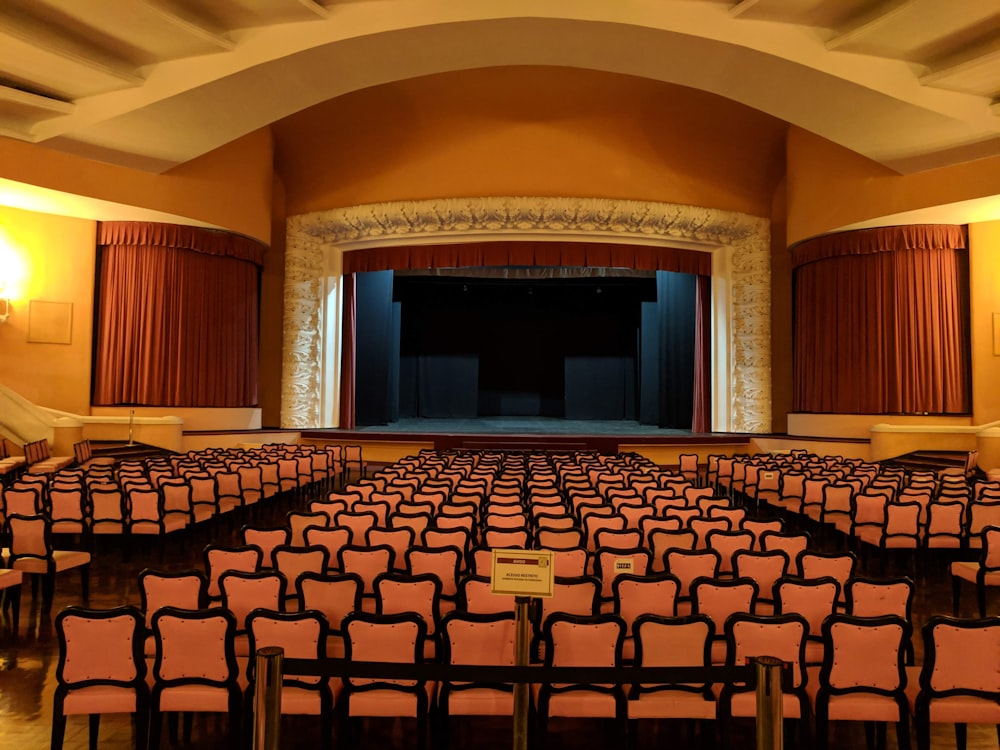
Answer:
(195, 668)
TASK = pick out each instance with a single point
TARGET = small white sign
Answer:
(522, 572)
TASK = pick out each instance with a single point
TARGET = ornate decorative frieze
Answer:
(744, 237)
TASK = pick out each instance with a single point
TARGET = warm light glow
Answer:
(12, 273)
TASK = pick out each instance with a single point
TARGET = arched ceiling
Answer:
(912, 84)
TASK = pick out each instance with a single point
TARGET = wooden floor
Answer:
(28, 662)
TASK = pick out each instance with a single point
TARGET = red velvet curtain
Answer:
(880, 330)
(175, 326)
(516, 253)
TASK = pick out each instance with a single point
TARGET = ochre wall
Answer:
(830, 187)
(530, 131)
(984, 282)
(51, 259)
(229, 187)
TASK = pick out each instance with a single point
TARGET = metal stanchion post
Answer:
(521, 703)
(769, 709)
(267, 698)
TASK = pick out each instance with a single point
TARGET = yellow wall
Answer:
(530, 131)
(52, 260)
(229, 187)
(830, 187)
(984, 281)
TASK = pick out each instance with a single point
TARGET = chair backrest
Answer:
(395, 638)
(864, 654)
(624, 539)
(195, 647)
(332, 538)
(960, 657)
(559, 538)
(873, 597)
(107, 505)
(396, 593)
(990, 556)
(813, 598)
(673, 642)
(298, 521)
(780, 636)
(637, 595)
(611, 563)
(583, 640)
(479, 639)
(243, 592)
(267, 539)
(702, 526)
(23, 501)
(437, 537)
(442, 562)
(721, 598)
(578, 596)
(945, 521)
(763, 567)
(837, 565)
(357, 522)
(336, 595)
(790, 544)
(688, 565)
(302, 635)
(185, 589)
(293, 561)
(727, 544)
(100, 647)
(902, 524)
(219, 559)
(476, 597)
(758, 527)
(30, 542)
(367, 562)
(400, 539)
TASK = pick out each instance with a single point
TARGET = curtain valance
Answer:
(199, 239)
(517, 253)
(880, 239)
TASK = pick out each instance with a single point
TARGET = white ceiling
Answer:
(149, 84)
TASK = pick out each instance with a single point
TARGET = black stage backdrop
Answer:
(462, 347)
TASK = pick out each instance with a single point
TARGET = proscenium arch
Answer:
(741, 298)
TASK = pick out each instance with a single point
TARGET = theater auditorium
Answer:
(479, 340)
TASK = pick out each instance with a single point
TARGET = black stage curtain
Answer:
(377, 350)
(454, 347)
(676, 314)
(549, 347)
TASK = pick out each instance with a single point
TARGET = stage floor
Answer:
(523, 433)
(523, 426)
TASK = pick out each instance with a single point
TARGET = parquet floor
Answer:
(28, 662)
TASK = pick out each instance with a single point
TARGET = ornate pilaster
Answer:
(745, 382)
(751, 332)
(301, 365)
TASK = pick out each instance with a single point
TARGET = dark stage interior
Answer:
(527, 350)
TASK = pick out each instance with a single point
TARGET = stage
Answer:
(528, 433)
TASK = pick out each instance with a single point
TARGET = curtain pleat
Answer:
(199, 239)
(883, 332)
(515, 253)
(176, 328)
